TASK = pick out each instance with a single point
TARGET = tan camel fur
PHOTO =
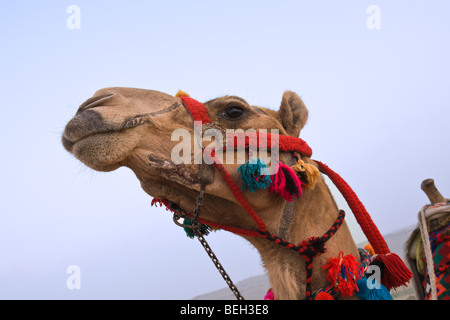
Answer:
(133, 127)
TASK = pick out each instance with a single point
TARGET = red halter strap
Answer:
(396, 273)
(196, 109)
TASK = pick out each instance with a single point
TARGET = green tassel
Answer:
(254, 175)
(204, 229)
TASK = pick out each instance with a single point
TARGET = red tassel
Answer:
(395, 272)
(323, 296)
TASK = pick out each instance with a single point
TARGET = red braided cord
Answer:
(199, 113)
(197, 109)
(216, 225)
(362, 216)
(283, 143)
(238, 194)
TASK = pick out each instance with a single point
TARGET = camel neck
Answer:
(312, 217)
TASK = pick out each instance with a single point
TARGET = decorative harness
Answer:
(395, 272)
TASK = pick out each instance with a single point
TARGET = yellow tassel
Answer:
(181, 94)
(308, 173)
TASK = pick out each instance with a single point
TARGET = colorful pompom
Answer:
(204, 229)
(286, 183)
(307, 173)
(269, 295)
(324, 296)
(343, 273)
(254, 175)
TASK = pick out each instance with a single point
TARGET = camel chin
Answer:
(101, 152)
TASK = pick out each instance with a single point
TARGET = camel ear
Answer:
(293, 113)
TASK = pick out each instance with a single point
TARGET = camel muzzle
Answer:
(84, 123)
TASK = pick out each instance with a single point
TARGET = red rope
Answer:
(269, 140)
(238, 194)
(196, 109)
(362, 216)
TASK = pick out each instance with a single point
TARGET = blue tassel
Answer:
(364, 293)
(254, 175)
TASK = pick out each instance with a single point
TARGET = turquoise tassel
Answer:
(254, 175)
(365, 293)
(204, 229)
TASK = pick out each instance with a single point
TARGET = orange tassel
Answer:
(181, 94)
(308, 173)
(369, 248)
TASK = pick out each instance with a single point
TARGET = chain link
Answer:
(218, 265)
(195, 227)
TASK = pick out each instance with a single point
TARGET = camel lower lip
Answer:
(69, 145)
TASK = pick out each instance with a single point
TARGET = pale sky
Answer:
(377, 99)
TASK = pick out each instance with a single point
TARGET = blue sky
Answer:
(378, 102)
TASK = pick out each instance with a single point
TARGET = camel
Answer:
(426, 250)
(132, 128)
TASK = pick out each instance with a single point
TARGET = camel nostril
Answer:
(93, 102)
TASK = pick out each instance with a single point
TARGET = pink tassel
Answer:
(269, 295)
(286, 183)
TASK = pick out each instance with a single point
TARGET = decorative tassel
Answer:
(269, 295)
(343, 272)
(307, 173)
(254, 175)
(395, 272)
(161, 202)
(286, 183)
(204, 229)
(181, 94)
(324, 296)
(369, 249)
(364, 293)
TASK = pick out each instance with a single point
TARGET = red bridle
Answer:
(396, 273)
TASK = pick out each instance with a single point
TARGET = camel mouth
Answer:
(69, 144)
(83, 125)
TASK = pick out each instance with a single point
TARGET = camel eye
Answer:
(233, 112)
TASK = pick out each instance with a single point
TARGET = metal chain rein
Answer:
(195, 227)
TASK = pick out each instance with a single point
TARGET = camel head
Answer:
(133, 128)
